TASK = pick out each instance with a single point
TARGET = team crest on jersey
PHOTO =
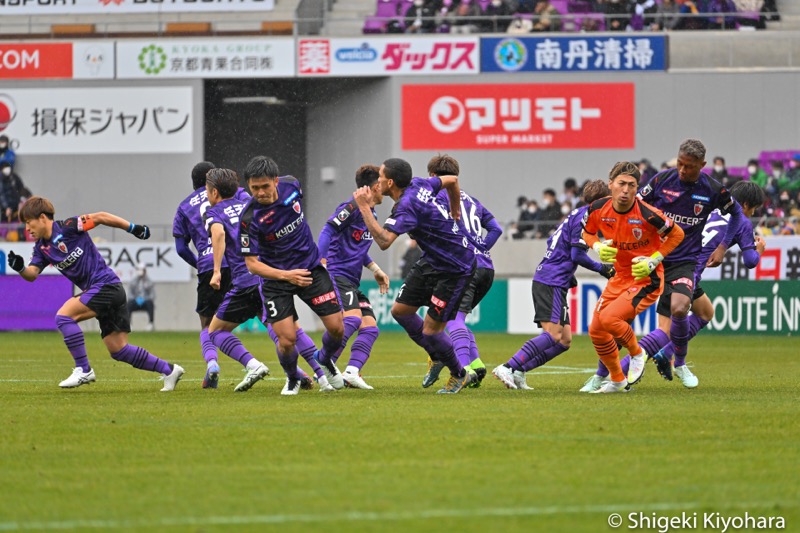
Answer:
(698, 208)
(62, 247)
(296, 207)
(245, 241)
(637, 233)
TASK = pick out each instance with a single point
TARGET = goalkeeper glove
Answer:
(16, 262)
(645, 266)
(608, 271)
(139, 231)
(605, 251)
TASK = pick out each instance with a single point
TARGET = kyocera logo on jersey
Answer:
(637, 233)
(71, 258)
(361, 235)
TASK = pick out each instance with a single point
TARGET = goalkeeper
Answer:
(637, 237)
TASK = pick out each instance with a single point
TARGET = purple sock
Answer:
(473, 348)
(532, 350)
(289, 364)
(696, 324)
(351, 325)
(443, 349)
(679, 335)
(625, 363)
(231, 346)
(209, 350)
(459, 335)
(142, 359)
(330, 346)
(602, 371)
(73, 338)
(548, 355)
(305, 347)
(654, 341)
(413, 325)
(362, 346)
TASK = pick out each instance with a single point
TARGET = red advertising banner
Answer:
(518, 116)
(35, 60)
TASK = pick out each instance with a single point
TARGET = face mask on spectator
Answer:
(752, 169)
(531, 210)
(718, 168)
(497, 3)
(565, 210)
(7, 171)
(776, 172)
(418, 3)
(3, 146)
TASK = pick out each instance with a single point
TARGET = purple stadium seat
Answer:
(384, 10)
(579, 6)
(597, 21)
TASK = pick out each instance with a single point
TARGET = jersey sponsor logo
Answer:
(441, 304)
(698, 208)
(701, 198)
(637, 233)
(286, 230)
(361, 235)
(290, 198)
(365, 305)
(62, 247)
(634, 221)
(266, 219)
(70, 259)
(681, 219)
(684, 281)
(634, 245)
(296, 207)
(327, 297)
(390, 222)
(668, 192)
(604, 219)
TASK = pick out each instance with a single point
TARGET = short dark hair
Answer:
(225, 180)
(443, 165)
(4, 137)
(720, 159)
(261, 167)
(747, 192)
(199, 173)
(693, 148)
(752, 162)
(570, 183)
(366, 175)
(35, 207)
(625, 167)
(594, 190)
(399, 171)
(549, 192)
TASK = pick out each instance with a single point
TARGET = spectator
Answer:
(551, 212)
(547, 17)
(7, 155)
(618, 15)
(750, 14)
(687, 9)
(498, 17)
(756, 174)
(643, 14)
(773, 183)
(720, 173)
(566, 209)
(420, 17)
(410, 257)
(667, 16)
(723, 15)
(141, 295)
(466, 17)
(770, 11)
(791, 180)
(520, 25)
(526, 222)
(13, 193)
(647, 171)
(571, 192)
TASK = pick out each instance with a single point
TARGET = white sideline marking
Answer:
(388, 516)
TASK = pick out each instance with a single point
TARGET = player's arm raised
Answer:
(384, 238)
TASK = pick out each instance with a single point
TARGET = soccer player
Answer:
(277, 245)
(635, 229)
(67, 245)
(442, 276)
(750, 197)
(552, 280)
(344, 245)
(687, 196)
(475, 219)
(188, 228)
(243, 301)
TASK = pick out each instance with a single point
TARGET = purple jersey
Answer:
(71, 250)
(428, 222)
(713, 234)
(688, 205)
(474, 217)
(278, 233)
(188, 223)
(227, 213)
(557, 268)
(350, 244)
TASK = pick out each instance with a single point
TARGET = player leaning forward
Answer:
(633, 232)
(66, 245)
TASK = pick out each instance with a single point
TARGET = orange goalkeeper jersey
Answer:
(637, 232)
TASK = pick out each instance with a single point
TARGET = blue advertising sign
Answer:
(607, 53)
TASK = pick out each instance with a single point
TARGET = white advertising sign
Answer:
(162, 261)
(77, 7)
(131, 120)
(206, 58)
(93, 60)
(387, 56)
(780, 261)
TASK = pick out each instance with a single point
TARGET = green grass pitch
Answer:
(120, 455)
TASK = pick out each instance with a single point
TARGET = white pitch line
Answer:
(358, 516)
